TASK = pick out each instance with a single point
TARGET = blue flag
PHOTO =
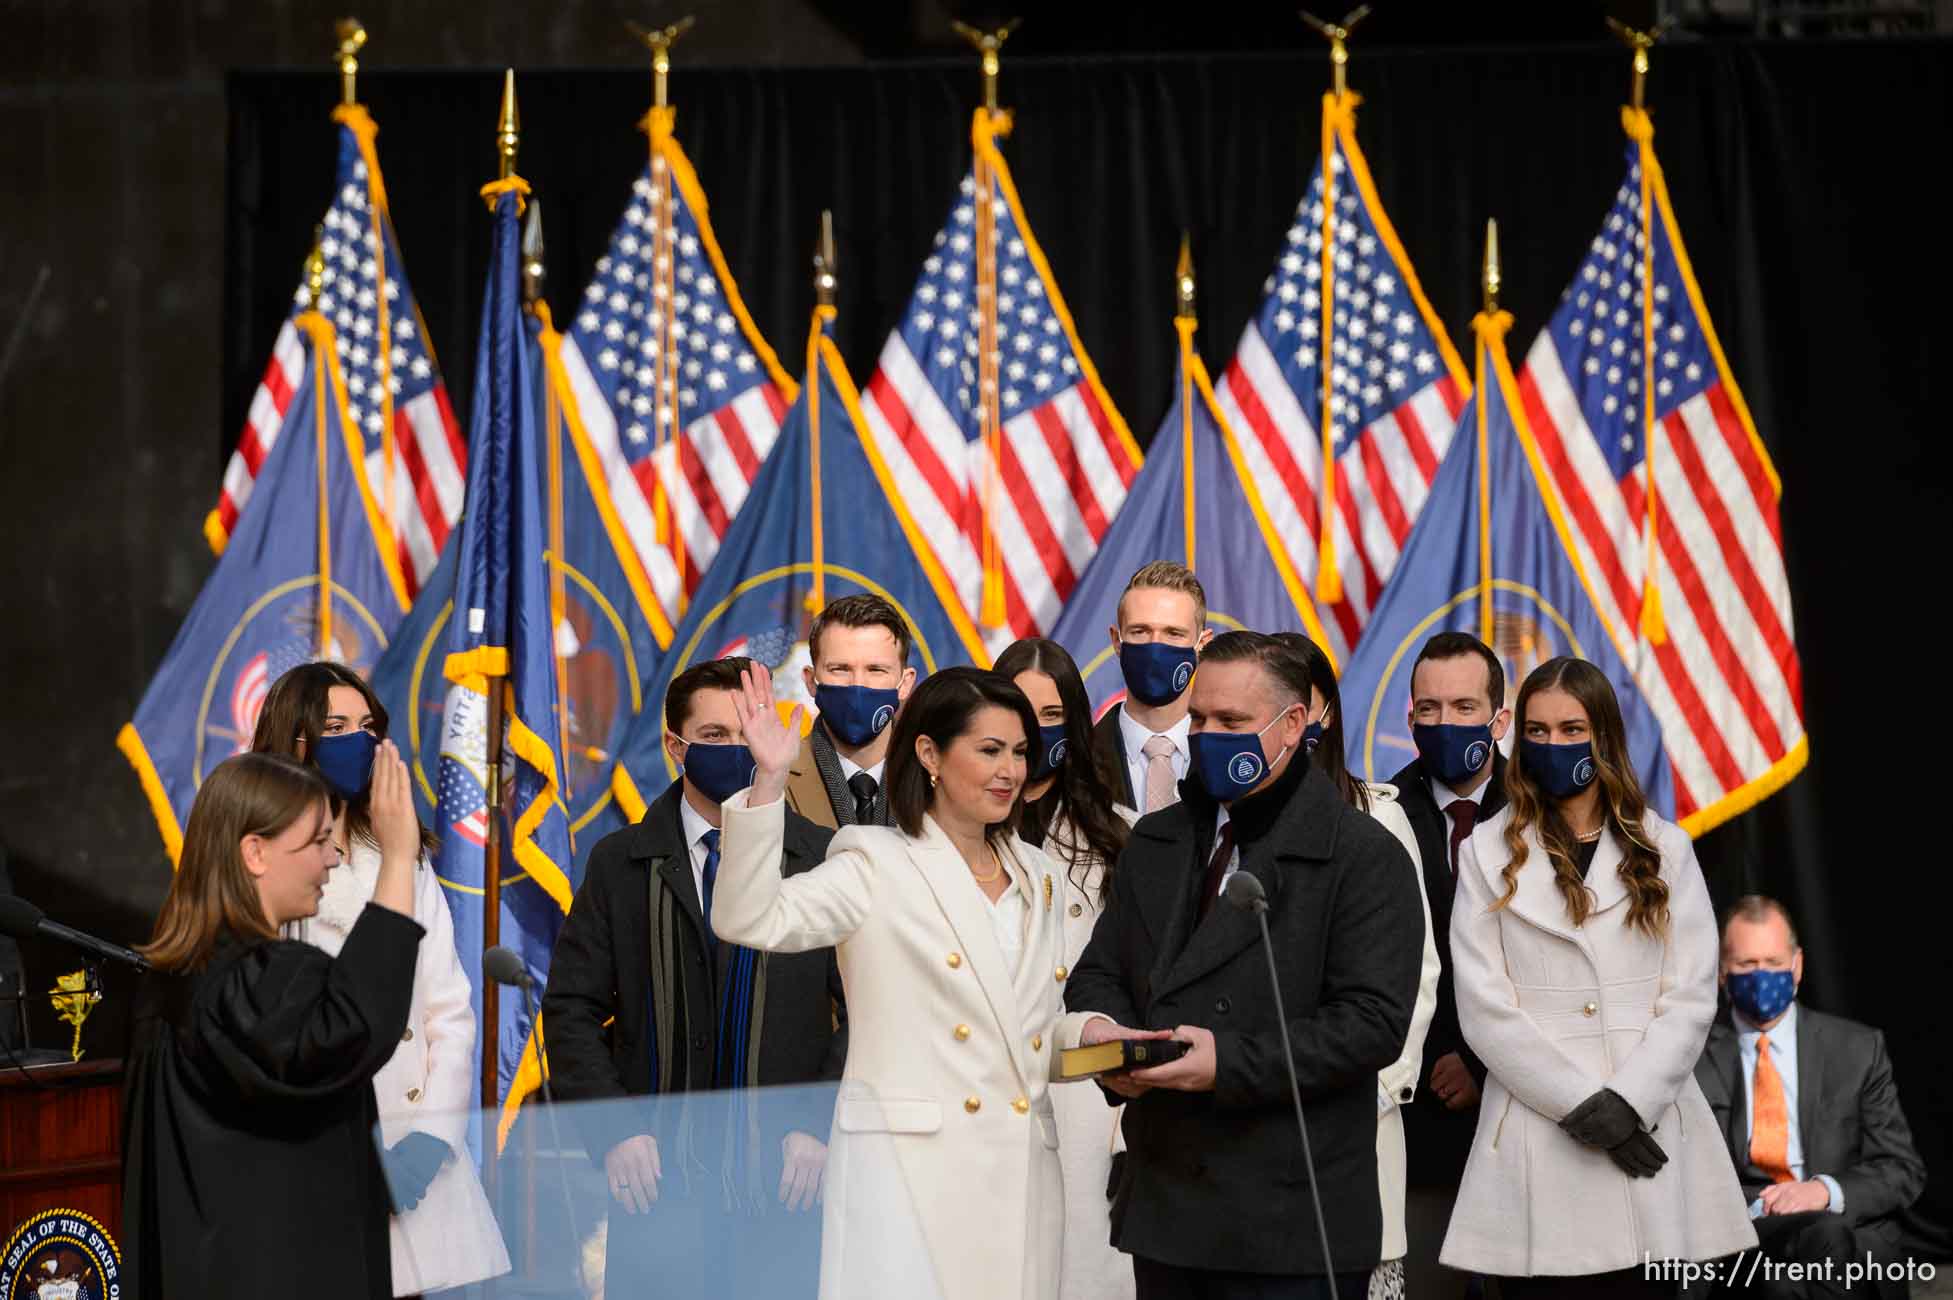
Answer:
(1193, 472)
(311, 525)
(604, 635)
(1514, 581)
(500, 636)
(804, 539)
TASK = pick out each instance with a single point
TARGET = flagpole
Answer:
(508, 129)
(1484, 328)
(1184, 322)
(326, 428)
(992, 610)
(825, 283)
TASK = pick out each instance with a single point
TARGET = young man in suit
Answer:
(645, 1002)
(1142, 740)
(1214, 1198)
(860, 677)
(1458, 717)
(1810, 1111)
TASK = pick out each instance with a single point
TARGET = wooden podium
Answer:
(61, 1142)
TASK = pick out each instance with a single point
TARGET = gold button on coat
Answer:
(1590, 1009)
(962, 1033)
(413, 1094)
(973, 1104)
(1037, 1042)
(1062, 972)
(1022, 1105)
(955, 959)
(407, 1037)
(1077, 910)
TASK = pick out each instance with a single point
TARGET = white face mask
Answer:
(68, 1290)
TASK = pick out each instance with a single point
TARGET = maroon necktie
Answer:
(1210, 888)
(1463, 813)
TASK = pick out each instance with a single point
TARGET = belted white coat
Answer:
(942, 1177)
(450, 1238)
(1559, 1011)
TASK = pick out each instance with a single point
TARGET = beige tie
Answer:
(1162, 791)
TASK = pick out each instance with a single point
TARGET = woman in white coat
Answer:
(1584, 949)
(1396, 1082)
(943, 1176)
(443, 1231)
(1072, 814)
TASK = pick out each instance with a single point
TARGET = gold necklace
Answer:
(985, 880)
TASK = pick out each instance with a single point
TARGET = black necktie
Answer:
(863, 788)
(711, 877)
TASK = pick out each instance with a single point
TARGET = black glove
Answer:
(410, 1165)
(1604, 1120)
(1639, 1156)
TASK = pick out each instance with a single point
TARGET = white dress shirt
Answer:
(1783, 1055)
(695, 830)
(849, 767)
(1010, 914)
(1135, 738)
(1233, 856)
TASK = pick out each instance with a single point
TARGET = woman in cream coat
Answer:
(1071, 813)
(324, 715)
(1396, 1082)
(943, 1176)
(1585, 952)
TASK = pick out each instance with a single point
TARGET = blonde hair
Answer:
(1166, 575)
(213, 893)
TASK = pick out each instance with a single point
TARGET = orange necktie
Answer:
(1769, 1118)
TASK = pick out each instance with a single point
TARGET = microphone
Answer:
(20, 919)
(506, 968)
(1244, 891)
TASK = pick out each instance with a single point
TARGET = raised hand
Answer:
(773, 743)
(392, 806)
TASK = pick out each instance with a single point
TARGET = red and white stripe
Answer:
(1063, 473)
(1726, 684)
(430, 461)
(706, 474)
(248, 695)
(1382, 477)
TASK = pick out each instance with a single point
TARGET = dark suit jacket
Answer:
(1848, 1116)
(1109, 747)
(597, 1007)
(1437, 1140)
(1216, 1180)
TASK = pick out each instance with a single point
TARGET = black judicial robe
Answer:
(249, 1166)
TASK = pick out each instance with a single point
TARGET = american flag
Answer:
(463, 803)
(670, 380)
(1396, 387)
(1724, 681)
(1065, 457)
(391, 378)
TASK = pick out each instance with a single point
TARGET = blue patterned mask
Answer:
(718, 771)
(1156, 673)
(1050, 754)
(1452, 753)
(1228, 764)
(1559, 770)
(856, 714)
(1761, 995)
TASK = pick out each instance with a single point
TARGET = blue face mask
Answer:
(345, 762)
(1050, 752)
(1559, 770)
(856, 714)
(1761, 995)
(1453, 754)
(1156, 673)
(718, 771)
(1311, 737)
(1228, 764)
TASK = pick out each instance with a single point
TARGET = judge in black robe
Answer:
(249, 1166)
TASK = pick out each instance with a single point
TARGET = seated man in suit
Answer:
(644, 1001)
(1458, 717)
(859, 677)
(1809, 1109)
(1142, 740)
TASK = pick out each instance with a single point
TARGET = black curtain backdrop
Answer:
(1796, 174)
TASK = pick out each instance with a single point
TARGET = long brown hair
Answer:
(295, 709)
(1081, 789)
(941, 709)
(1328, 757)
(1622, 805)
(213, 894)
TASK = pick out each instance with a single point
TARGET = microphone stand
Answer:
(555, 1132)
(1259, 906)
